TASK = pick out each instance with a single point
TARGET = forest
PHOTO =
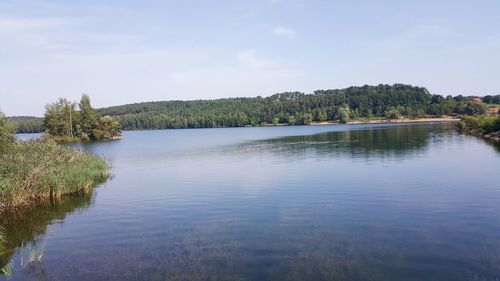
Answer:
(295, 108)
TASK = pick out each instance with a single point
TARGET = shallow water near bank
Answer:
(346, 202)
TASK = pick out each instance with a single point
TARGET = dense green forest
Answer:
(390, 101)
(295, 108)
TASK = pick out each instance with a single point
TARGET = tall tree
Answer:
(344, 114)
(88, 118)
(61, 118)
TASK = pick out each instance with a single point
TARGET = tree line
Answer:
(292, 108)
(491, 99)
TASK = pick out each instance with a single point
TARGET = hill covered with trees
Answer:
(293, 108)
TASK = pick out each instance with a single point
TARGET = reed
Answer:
(39, 170)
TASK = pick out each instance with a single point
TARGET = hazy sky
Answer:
(126, 51)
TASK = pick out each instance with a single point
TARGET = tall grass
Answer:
(38, 170)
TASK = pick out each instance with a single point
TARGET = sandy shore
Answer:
(400, 120)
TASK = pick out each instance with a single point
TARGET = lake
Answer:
(347, 202)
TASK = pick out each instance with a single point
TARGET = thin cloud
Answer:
(284, 32)
(250, 59)
(30, 24)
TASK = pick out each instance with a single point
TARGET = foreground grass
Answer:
(34, 171)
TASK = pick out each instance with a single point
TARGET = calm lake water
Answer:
(358, 202)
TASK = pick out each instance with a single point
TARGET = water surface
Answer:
(359, 202)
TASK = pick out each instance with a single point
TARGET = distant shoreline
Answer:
(390, 121)
(326, 123)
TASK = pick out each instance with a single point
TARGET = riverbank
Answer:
(384, 121)
(40, 170)
(487, 127)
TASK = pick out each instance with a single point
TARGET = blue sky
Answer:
(126, 51)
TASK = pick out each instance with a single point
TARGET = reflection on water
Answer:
(26, 229)
(366, 143)
(412, 202)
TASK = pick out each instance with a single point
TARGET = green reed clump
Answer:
(37, 170)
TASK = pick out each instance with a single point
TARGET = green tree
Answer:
(344, 113)
(276, 121)
(488, 99)
(307, 119)
(474, 108)
(61, 118)
(88, 118)
(322, 115)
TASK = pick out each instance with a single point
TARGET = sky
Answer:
(126, 51)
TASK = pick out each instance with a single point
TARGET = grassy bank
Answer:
(39, 170)
(486, 126)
